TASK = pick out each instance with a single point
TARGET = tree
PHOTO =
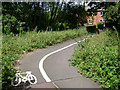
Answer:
(43, 15)
(112, 14)
(73, 14)
(53, 14)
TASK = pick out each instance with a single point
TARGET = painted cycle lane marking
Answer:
(44, 74)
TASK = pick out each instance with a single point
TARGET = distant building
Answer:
(95, 18)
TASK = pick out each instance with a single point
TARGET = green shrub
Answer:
(98, 59)
(92, 29)
(61, 26)
(11, 24)
(14, 45)
(101, 25)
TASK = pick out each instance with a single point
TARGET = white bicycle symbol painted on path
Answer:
(20, 78)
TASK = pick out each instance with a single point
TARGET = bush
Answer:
(112, 14)
(61, 26)
(92, 29)
(98, 59)
(11, 24)
(101, 25)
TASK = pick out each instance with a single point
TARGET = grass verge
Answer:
(97, 58)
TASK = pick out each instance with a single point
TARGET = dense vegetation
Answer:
(98, 58)
(24, 16)
(112, 14)
(15, 45)
(30, 25)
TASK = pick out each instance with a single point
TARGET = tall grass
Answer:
(15, 45)
(0, 60)
(98, 59)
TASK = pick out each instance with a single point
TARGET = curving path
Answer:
(56, 66)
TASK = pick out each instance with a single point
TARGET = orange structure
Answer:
(96, 18)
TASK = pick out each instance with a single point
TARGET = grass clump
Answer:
(15, 45)
(97, 58)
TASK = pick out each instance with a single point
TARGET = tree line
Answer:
(24, 16)
(20, 17)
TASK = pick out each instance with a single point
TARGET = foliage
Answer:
(74, 15)
(100, 25)
(15, 45)
(99, 5)
(32, 13)
(11, 24)
(55, 9)
(98, 59)
(43, 15)
(93, 19)
(112, 14)
(92, 28)
(61, 26)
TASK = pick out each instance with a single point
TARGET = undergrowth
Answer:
(97, 58)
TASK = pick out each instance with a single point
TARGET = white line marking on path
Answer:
(44, 74)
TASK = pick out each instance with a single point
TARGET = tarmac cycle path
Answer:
(57, 67)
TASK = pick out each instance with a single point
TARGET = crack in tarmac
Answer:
(66, 78)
